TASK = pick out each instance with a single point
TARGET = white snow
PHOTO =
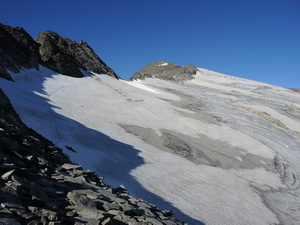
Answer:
(84, 113)
(163, 64)
(138, 84)
(239, 158)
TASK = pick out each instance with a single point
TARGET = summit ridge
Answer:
(63, 55)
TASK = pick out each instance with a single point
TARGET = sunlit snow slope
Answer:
(217, 149)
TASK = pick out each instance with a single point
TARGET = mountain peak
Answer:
(166, 71)
(19, 50)
(67, 56)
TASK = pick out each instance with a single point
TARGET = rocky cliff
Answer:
(39, 184)
(166, 71)
(18, 50)
(68, 57)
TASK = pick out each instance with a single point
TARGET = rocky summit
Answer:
(19, 51)
(39, 184)
(166, 71)
(67, 57)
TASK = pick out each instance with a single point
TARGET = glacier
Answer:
(217, 149)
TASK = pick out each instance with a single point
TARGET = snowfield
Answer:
(217, 149)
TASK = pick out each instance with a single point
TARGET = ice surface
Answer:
(125, 131)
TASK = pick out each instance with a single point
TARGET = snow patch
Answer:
(139, 85)
(239, 158)
(163, 64)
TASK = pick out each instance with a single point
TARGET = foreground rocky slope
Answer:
(19, 51)
(39, 184)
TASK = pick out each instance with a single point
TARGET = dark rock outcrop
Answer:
(295, 89)
(166, 71)
(39, 184)
(17, 50)
(67, 57)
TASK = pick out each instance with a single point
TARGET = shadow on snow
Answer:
(107, 157)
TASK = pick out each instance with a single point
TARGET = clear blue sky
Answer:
(255, 39)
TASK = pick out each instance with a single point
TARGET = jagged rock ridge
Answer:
(39, 184)
(166, 71)
(68, 57)
(18, 50)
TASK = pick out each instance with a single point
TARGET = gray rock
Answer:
(14, 207)
(192, 69)
(68, 166)
(154, 221)
(38, 194)
(295, 89)
(33, 209)
(107, 221)
(7, 166)
(108, 206)
(51, 215)
(10, 200)
(81, 221)
(166, 71)
(68, 57)
(35, 222)
(20, 182)
(169, 212)
(80, 179)
(132, 211)
(7, 175)
(7, 218)
(143, 205)
(106, 198)
(72, 213)
(114, 212)
(17, 50)
(170, 222)
(80, 200)
(90, 214)
(46, 182)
